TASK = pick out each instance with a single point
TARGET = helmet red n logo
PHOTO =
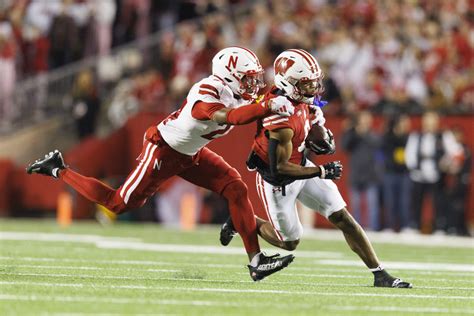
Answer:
(232, 61)
(283, 64)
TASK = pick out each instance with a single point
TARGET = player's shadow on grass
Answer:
(188, 274)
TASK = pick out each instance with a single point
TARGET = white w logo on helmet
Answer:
(298, 74)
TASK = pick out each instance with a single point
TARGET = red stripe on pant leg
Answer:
(265, 205)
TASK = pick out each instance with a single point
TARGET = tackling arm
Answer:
(242, 115)
(249, 113)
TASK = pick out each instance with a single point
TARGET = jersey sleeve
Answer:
(210, 91)
(275, 121)
(204, 111)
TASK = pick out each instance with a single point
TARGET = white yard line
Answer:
(404, 265)
(394, 238)
(248, 291)
(318, 234)
(105, 242)
(85, 268)
(113, 277)
(57, 237)
(405, 309)
(198, 249)
(118, 300)
(306, 267)
(88, 276)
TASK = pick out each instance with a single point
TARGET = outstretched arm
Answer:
(249, 113)
(242, 115)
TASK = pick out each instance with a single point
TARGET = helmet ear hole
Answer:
(227, 79)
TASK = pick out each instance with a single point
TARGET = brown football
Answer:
(317, 134)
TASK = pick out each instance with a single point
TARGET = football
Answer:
(317, 134)
(320, 140)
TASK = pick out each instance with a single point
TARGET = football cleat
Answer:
(268, 265)
(49, 165)
(386, 280)
(227, 232)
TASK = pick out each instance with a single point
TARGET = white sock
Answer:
(255, 260)
(379, 268)
(55, 172)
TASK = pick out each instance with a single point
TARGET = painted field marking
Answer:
(405, 309)
(121, 300)
(134, 244)
(58, 237)
(309, 268)
(88, 276)
(273, 282)
(404, 265)
(395, 238)
(248, 291)
(85, 268)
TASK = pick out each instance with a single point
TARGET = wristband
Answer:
(323, 172)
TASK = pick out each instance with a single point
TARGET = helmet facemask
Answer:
(305, 90)
(250, 84)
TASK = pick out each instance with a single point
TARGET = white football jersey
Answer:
(188, 135)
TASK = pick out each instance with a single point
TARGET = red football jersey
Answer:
(299, 122)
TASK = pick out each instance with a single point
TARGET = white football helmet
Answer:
(298, 74)
(240, 68)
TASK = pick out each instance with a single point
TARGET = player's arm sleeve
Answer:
(280, 148)
(205, 111)
(241, 115)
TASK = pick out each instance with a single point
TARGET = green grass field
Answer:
(146, 269)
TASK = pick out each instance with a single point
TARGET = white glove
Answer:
(281, 106)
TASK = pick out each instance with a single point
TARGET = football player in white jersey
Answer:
(176, 146)
(285, 175)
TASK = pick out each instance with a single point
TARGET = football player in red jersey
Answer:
(176, 146)
(284, 175)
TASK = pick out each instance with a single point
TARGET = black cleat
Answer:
(227, 232)
(383, 279)
(49, 165)
(268, 265)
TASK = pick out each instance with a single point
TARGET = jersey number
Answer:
(217, 133)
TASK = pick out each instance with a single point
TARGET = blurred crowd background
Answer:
(94, 63)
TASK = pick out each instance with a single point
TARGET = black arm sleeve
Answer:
(272, 155)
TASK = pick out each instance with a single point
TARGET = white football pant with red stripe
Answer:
(320, 195)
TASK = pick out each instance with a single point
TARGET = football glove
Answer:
(331, 170)
(326, 147)
(281, 106)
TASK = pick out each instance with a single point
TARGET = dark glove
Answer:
(326, 147)
(331, 170)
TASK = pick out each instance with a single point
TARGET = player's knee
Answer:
(116, 204)
(344, 220)
(236, 190)
(291, 245)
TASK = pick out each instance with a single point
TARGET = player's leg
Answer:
(157, 162)
(213, 173)
(323, 196)
(268, 233)
(283, 228)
